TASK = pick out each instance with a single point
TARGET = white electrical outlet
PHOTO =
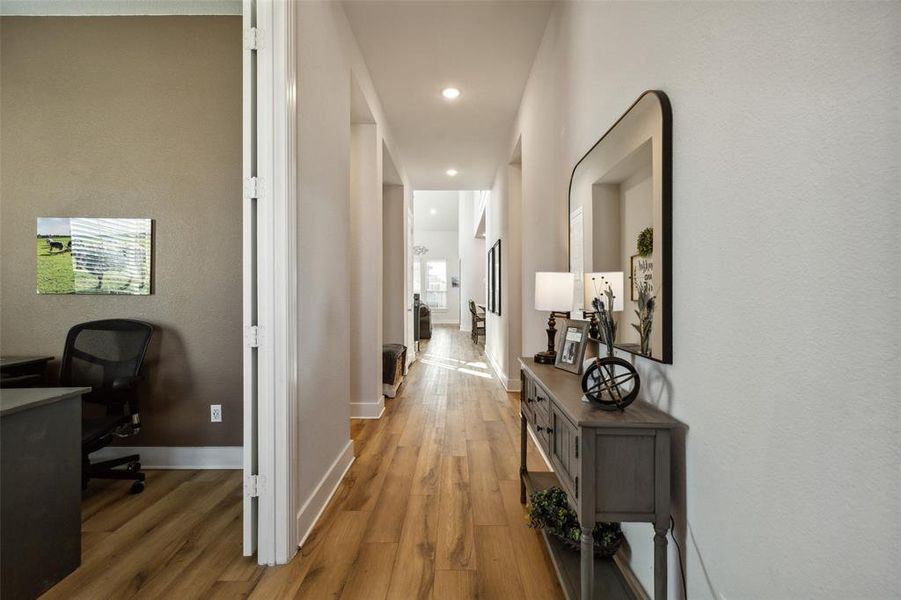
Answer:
(215, 413)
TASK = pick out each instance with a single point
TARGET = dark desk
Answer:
(40, 488)
(23, 371)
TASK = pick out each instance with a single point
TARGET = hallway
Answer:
(430, 508)
(303, 188)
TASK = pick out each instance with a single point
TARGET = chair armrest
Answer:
(125, 383)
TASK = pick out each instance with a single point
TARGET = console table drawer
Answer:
(542, 428)
(527, 398)
(541, 406)
(564, 451)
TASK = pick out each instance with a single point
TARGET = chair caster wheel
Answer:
(137, 487)
(134, 467)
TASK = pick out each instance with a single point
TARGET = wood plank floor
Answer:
(429, 509)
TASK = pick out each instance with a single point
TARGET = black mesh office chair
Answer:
(107, 357)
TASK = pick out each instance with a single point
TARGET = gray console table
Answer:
(613, 466)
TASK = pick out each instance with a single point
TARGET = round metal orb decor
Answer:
(611, 382)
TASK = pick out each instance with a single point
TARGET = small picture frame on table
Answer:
(573, 341)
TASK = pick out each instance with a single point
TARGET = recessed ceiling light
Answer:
(450, 93)
(451, 172)
(434, 211)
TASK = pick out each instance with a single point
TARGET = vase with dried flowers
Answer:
(645, 313)
(609, 381)
(604, 311)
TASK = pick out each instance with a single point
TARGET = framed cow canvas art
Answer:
(93, 256)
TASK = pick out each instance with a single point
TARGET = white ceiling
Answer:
(445, 206)
(415, 49)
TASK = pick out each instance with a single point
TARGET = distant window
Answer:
(436, 284)
(417, 276)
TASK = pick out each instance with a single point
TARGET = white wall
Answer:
(504, 221)
(327, 55)
(496, 326)
(322, 221)
(473, 258)
(408, 279)
(636, 210)
(441, 245)
(394, 271)
(785, 248)
(364, 363)
(543, 226)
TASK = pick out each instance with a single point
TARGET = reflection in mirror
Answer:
(620, 221)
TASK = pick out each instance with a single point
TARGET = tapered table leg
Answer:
(587, 563)
(660, 562)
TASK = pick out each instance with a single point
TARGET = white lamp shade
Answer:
(596, 285)
(554, 291)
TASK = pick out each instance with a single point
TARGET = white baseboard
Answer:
(314, 506)
(497, 370)
(367, 410)
(178, 457)
(511, 385)
(467, 327)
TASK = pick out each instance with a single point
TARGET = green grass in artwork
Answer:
(54, 267)
(56, 272)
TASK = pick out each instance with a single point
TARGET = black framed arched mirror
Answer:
(620, 226)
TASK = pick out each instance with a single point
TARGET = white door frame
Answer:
(270, 280)
(408, 280)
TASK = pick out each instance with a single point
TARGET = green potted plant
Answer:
(550, 511)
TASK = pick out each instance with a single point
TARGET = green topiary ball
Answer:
(646, 241)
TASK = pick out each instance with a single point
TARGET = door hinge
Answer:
(253, 485)
(577, 487)
(252, 336)
(252, 187)
(253, 39)
(577, 446)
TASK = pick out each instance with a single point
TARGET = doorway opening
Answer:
(449, 260)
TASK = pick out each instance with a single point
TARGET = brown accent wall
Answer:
(132, 117)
